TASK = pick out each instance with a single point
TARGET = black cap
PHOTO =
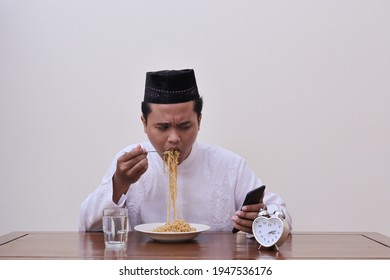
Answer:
(171, 86)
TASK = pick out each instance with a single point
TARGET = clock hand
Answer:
(272, 232)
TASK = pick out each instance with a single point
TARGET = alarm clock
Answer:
(270, 229)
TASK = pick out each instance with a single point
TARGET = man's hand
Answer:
(129, 168)
(243, 219)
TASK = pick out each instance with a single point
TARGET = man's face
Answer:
(172, 127)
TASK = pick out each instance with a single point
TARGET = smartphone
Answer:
(252, 197)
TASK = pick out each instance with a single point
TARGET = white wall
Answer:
(299, 88)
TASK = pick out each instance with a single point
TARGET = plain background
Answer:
(301, 89)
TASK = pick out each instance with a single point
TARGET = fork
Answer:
(157, 152)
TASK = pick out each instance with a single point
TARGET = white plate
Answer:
(147, 229)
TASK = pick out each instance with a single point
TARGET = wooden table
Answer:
(207, 246)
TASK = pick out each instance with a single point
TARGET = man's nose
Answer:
(173, 136)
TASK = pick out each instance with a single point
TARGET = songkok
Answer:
(170, 86)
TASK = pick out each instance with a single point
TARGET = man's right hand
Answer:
(129, 168)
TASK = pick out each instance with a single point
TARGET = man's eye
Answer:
(162, 127)
(185, 126)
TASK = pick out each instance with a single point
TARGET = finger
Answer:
(250, 212)
(139, 168)
(242, 224)
(254, 207)
(129, 160)
(134, 153)
(134, 172)
(246, 215)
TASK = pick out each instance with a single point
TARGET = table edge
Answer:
(9, 237)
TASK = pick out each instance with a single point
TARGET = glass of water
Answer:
(115, 227)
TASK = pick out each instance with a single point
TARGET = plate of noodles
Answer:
(160, 232)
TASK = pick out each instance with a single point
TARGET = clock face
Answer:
(267, 231)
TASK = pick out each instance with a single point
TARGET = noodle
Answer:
(171, 160)
(175, 226)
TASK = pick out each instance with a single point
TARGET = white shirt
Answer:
(211, 185)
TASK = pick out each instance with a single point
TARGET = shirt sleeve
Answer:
(91, 210)
(248, 179)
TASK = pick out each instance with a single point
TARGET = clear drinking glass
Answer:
(115, 227)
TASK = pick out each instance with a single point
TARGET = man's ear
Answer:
(144, 123)
(199, 120)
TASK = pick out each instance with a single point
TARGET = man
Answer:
(212, 182)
